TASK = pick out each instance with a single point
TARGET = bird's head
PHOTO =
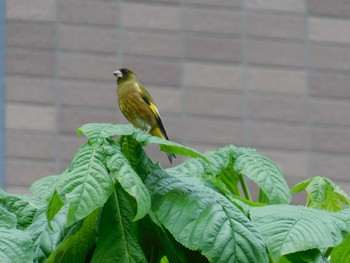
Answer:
(124, 74)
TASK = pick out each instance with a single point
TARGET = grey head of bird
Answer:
(124, 74)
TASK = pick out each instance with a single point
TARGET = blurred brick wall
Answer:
(269, 74)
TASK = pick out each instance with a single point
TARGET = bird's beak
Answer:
(118, 74)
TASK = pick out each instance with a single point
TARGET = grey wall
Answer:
(269, 74)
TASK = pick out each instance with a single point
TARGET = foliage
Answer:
(114, 204)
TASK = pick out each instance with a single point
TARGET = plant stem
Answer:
(244, 187)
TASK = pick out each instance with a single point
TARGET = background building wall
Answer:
(268, 74)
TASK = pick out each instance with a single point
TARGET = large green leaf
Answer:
(7, 219)
(136, 156)
(288, 229)
(131, 183)
(117, 240)
(307, 256)
(24, 208)
(166, 146)
(157, 242)
(202, 219)
(87, 185)
(218, 161)
(44, 187)
(15, 246)
(79, 241)
(47, 237)
(323, 193)
(266, 174)
(98, 132)
(341, 253)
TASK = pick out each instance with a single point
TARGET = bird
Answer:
(137, 105)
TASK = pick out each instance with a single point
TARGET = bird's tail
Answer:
(171, 156)
(157, 132)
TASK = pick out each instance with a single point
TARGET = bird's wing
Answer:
(149, 101)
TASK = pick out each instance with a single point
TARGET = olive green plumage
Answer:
(137, 105)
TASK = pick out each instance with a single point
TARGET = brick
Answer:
(213, 76)
(330, 112)
(273, 53)
(277, 5)
(210, 48)
(330, 8)
(24, 173)
(221, 3)
(30, 62)
(330, 139)
(175, 127)
(214, 104)
(74, 118)
(292, 164)
(167, 99)
(88, 93)
(93, 67)
(213, 21)
(89, 12)
(155, 72)
(279, 26)
(277, 108)
(30, 35)
(323, 57)
(12, 189)
(152, 44)
(214, 131)
(37, 10)
(329, 30)
(33, 90)
(278, 136)
(276, 80)
(345, 186)
(69, 146)
(150, 16)
(37, 146)
(88, 39)
(330, 165)
(329, 85)
(28, 117)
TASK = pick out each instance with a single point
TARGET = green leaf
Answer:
(288, 229)
(136, 156)
(219, 160)
(55, 205)
(117, 241)
(76, 245)
(202, 219)
(24, 210)
(131, 183)
(3, 194)
(308, 256)
(341, 253)
(265, 174)
(98, 132)
(15, 246)
(157, 240)
(166, 146)
(87, 185)
(47, 237)
(44, 187)
(7, 219)
(323, 193)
